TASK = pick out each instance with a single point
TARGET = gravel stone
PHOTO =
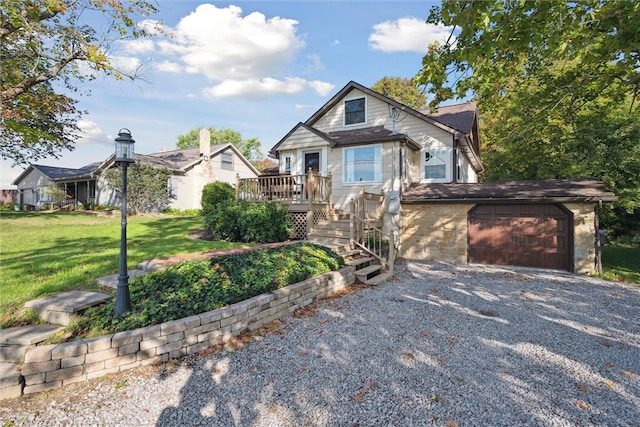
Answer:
(439, 345)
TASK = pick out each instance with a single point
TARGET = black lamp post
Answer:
(124, 156)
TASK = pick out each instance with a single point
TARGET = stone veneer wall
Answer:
(435, 232)
(584, 234)
(438, 232)
(53, 366)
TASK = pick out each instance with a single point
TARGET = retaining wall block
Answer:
(69, 349)
(33, 379)
(126, 337)
(72, 361)
(40, 367)
(116, 362)
(210, 317)
(176, 336)
(101, 355)
(61, 374)
(98, 343)
(42, 387)
(39, 354)
(174, 326)
(153, 343)
(128, 349)
(150, 332)
(192, 322)
(201, 329)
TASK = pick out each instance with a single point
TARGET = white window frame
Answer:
(439, 155)
(344, 119)
(226, 164)
(287, 163)
(347, 170)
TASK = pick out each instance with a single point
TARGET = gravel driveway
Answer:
(439, 345)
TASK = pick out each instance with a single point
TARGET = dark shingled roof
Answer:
(58, 173)
(549, 190)
(368, 135)
(459, 117)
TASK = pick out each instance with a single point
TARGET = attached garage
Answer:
(529, 235)
(545, 224)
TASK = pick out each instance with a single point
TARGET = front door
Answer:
(312, 161)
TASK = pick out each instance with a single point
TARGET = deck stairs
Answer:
(335, 234)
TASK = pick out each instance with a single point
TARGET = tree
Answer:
(556, 83)
(47, 47)
(250, 148)
(494, 42)
(147, 187)
(401, 90)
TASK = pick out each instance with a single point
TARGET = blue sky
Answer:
(257, 67)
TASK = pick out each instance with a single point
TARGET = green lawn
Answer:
(46, 253)
(621, 262)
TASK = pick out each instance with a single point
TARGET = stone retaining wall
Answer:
(53, 366)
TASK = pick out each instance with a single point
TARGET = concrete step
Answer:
(111, 281)
(63, 308)
(338, 246)
(380, 278)
(11, 381)
(360, 263)
(342, 234)
(367, 273)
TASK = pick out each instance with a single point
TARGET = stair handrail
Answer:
(373, 240)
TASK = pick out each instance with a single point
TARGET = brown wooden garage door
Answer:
(530, 235)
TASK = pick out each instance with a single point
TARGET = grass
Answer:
(47, 253)
(621, 262)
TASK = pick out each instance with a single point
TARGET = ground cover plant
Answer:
(47, 253)
(197, 286)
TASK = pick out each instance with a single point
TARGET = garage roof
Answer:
(549, 190)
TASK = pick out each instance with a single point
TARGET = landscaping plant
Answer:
(193, 287)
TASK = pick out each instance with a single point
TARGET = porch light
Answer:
(124, 146)
(124, 156)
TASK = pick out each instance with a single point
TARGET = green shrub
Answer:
(193, 287)
(216, 193)
(242, 221)
(7, 206)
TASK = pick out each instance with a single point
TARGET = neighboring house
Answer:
(191, 170)
(423, 166)
(34, 184)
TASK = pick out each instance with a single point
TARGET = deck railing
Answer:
(366, 209)
(306, 188)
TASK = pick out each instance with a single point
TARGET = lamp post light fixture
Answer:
(124, 156)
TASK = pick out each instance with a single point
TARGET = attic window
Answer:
(355, 111)
(226, 160)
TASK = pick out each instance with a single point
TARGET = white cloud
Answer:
(139, 46)
(406, 34)
(259, 88)
(91, 133)
(314, 63)
(222, 44)
(128, 65)
(321, 88)
(169, 67)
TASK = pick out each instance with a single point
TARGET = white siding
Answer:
(30, 184)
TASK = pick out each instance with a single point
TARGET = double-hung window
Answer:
(363, 164)
(355, 111)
